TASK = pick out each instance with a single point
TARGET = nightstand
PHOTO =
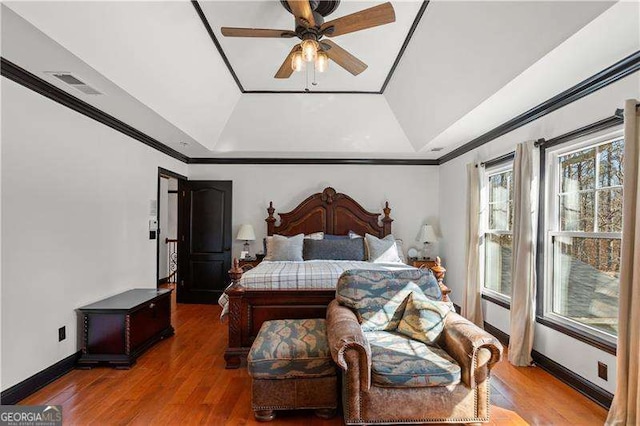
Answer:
(245, 265)
(438, 271)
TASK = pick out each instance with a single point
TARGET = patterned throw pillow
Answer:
(281, 248)
(423, 319)
(383, 250)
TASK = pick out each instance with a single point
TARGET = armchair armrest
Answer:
(475, 350)
(349, 347)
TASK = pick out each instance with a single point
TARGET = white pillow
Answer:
(382, 250)
(314, 236)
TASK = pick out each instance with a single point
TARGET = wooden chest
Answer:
(118, 329)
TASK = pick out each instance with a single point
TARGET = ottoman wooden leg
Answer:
(264, 415)
(325, 413)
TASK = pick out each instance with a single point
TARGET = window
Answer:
(498, 226)
(582, 241)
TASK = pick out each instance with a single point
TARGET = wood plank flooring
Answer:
(182, 381)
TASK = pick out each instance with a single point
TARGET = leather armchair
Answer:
(365, 402)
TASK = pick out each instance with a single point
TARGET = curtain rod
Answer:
(503, 158)
(606, 123)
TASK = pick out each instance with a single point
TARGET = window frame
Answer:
(548, 221)
(495, 169)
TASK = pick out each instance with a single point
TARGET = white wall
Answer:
(557, 346)
(75, 211)
(412, 192)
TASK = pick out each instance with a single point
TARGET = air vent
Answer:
(436, 149)
(75, 82)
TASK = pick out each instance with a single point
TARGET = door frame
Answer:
(167, 174)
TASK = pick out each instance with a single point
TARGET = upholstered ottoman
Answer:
(291, 368)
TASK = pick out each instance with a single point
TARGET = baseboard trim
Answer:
(592, 391)
(20, 391)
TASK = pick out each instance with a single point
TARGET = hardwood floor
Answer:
(182, 380)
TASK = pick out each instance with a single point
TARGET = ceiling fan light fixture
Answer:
(309, 49)
(296, 62)
(322, 61)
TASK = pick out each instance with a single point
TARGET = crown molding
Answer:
(319, 161)
(609, 75)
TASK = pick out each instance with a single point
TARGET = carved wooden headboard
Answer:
(332, 213)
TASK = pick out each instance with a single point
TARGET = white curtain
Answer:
(523, 261)
(472, 306)
(626, 402)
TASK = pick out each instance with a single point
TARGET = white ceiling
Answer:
(463, 52)
(469, 66)
(255, 61)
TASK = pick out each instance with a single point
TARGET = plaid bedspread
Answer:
(308, 275)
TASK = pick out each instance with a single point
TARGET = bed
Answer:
(290, 290)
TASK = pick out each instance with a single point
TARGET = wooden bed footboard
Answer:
(248, 309)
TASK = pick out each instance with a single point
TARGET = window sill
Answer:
(498, 301)
(577, 334)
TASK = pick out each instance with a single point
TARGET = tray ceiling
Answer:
(256, 60)
(468, 67)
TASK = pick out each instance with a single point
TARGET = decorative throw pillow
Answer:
(314, 236)
(354, 235)
(383, 250)
(423, 319)
(281, 248)
(349, 249)
(336, 237)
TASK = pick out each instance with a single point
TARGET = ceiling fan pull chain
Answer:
(314, 82)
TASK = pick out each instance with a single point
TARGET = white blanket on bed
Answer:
(307, 275)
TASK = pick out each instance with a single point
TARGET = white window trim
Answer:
(484, 225)
(551, 213)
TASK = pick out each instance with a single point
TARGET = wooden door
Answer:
(204, 243)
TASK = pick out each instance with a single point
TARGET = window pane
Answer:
(578, 170)
(577, 211)
(500, 216)
(611, 158)
(497, 263)
(610, 210)
(586, 281)
(499, 187)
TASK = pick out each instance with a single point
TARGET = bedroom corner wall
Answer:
(75, 210)
(555, 345)
(412, 192)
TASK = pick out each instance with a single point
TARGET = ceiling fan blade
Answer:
(256, 32)
(302, 10)
(343, 58)
(286, 70)
(368, 18)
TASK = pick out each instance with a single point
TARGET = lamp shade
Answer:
(246, 233)
(427, 234)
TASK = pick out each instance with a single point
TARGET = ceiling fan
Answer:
(311, 28)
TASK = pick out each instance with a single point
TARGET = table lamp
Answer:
(426, 236)
(246, 233)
